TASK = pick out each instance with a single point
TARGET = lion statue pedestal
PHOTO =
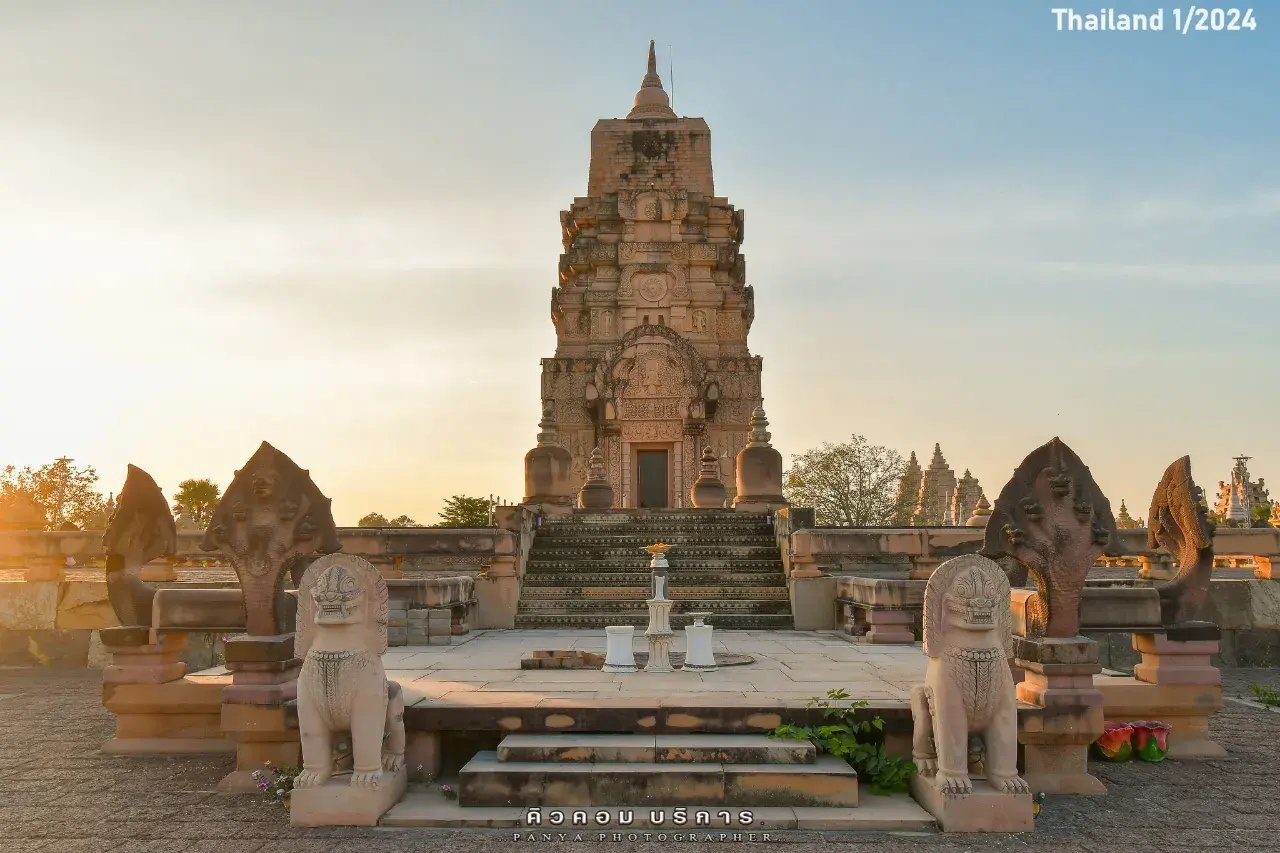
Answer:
(343, 690)
(966, 712)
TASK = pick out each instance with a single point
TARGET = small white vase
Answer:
(618, 655)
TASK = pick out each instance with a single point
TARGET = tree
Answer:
(462, 511)
(58, 496)
(197, 498)
(854, 484)
(377, 519)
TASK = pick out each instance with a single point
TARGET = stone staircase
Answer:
(589, 570)
(702, 782)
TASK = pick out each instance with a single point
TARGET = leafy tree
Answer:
(462, 511)
(58, 496)
(854, 484)
(377, 519)
(1261, 515)
(197, 498)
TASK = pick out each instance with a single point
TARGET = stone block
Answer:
(414, 637)
(422, 755)
(217, 610)
(658, 784)
(338, 803)
(984, 810)
(484, 781)
(439, 639)
(28, 606)
(84, 604)
(397, 636)
(829, 781)
(587, 748)
(732, 749)
(50, 647)
(496, 601)
(813, 603)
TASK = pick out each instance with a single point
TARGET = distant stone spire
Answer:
(651, 101)
(981, 513)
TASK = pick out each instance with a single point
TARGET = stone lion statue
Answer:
(343, 688)
(968, 690)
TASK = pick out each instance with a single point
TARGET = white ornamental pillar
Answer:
(659, 632)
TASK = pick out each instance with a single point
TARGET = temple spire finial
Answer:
(651, 101)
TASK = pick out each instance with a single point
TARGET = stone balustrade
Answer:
(913, 552)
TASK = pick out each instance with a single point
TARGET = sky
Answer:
(334, 226)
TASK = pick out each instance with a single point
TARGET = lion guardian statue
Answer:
(343, 688)
(968, 690)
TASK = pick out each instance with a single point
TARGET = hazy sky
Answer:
(334, 226)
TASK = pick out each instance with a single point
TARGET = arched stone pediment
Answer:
(692, 366)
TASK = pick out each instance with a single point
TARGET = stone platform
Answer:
(478, 685)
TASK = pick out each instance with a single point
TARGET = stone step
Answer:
(640, 619)
(594, 605)
(695, 748)
(549, 550)
(427, 807)
(641, 593)
(536, 563)
(595, 577)
(486, 781)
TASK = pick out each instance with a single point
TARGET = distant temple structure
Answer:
(934, 497)
(1237, 499)
(652, 312)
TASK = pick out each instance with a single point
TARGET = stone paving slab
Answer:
(793, 666)
(58, 794)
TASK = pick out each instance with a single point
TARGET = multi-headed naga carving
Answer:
(1054, 521)
(968, 690)
(271, 514)
(1179, 524)
(140, 530)
(342, 634)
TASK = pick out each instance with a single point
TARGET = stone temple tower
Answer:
(652, 311)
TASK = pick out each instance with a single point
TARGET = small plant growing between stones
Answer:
(1267, 695)
(275, 782)
(449, 792)
(859, 742)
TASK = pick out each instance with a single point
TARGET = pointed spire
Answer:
(651, 101)
(547, 426)
(938, 461)
(759, 426)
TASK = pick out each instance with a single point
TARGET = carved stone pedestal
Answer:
(338, 803)
(699, 655)
(1055, 737)
(1176, 684)
(136, 660)
(660, 637)
(619, 656)
(255, 716)
(158, 711)
(983, 810)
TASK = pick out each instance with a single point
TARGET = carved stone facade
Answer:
(933, 497)
(652, 311)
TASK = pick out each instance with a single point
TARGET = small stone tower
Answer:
(759, 470)
(548, 468)
(708, 491)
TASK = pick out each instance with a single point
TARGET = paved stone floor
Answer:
(57, 794)
(790, 668)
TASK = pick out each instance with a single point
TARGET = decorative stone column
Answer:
(1058, 679)
(659, 633)
(596, 493)
(548, 469)
(271, 514)
(759, 470)
(708, 490)
(699, 654)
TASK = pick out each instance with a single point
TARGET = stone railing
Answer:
(452, 550)
(914, 552)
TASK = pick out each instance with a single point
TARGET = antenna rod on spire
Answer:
(671, 74)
